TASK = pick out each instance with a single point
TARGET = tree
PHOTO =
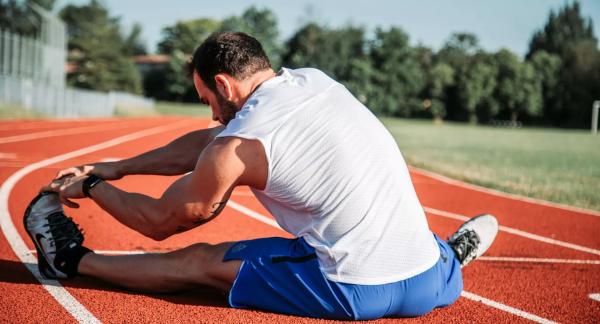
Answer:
(17, 17)
(580, 85)
(439, 78)
(305, 48)
(469, 95)
(177, 82)
(569, 36)
(475, 83)
(562, 30)
(179, 41)
(458, 48)
(339, 53)
(10, 11)
(134, 45)
(397, 76)
(547, 69)
(98, 50)
(186, 36)
(46, 4)
(262, 25)
(519, 90)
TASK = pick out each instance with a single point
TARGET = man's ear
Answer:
(224, 86)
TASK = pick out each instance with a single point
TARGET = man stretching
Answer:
(315, 157)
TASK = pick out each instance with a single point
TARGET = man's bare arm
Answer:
(192, 200)
(177, 157)
(176, 211)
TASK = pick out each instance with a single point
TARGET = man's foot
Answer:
(56, 237)
(473, 238)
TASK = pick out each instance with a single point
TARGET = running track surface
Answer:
(544, 265)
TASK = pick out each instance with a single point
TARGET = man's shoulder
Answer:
(238, 153)
(226, 149)
(307, 72)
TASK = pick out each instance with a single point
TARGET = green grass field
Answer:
(182, 109)
(166, 108)
(16, 112)
(556, 165)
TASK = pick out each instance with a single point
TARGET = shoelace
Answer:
(64, 231)
(465, 245)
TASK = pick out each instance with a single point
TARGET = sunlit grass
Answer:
(16, 112)
(183, 109)
(552, 164)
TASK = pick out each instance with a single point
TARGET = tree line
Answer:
(554, 84)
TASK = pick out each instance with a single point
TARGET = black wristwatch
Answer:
(90, 183)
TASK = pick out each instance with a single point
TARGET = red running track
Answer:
(544, 265)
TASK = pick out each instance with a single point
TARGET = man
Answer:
(317, 159)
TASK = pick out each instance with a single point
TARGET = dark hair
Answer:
(234, 53)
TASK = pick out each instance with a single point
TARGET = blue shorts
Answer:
(283, 276)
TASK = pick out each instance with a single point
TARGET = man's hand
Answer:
(67, 188)
(104, 170)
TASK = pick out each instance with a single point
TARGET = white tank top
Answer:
(337, 179)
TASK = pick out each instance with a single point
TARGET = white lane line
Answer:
(21, 165)
(466, 294)
(17, 125)
(514, 231)
(64, 298)
(508, 309)
(110, 159)
(463, 184)
(249, 212)
(595, 297)
(61, 132)
(8, 156)
(12, 164)
(537, 260)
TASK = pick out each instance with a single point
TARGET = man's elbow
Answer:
(156, 234)
(156, 227)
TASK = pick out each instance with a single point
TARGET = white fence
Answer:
(32, 76)
(65, 102)
(30, 58)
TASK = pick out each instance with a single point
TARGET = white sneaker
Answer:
(473, 238)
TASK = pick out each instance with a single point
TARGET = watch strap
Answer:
(90, 183)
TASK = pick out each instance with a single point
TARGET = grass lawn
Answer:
(556, 165)
(166, 108)
(15, 112)
(184, 109)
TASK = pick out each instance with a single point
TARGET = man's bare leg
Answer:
(198, 264)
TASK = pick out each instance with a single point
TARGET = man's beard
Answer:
(228, 109)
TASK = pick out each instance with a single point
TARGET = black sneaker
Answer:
(56, 237)
(473, 238)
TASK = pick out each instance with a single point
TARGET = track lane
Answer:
(49, 130)
(23, 299)
(432, 220)
(570, 226)
(19, 246)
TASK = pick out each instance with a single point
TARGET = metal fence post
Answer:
(595, 108)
